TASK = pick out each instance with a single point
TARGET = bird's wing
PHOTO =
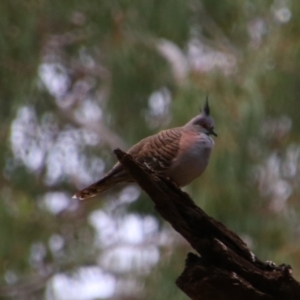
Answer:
(158, 151)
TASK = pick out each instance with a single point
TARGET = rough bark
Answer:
(226, 268)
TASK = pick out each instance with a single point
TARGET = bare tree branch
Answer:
(226, 269)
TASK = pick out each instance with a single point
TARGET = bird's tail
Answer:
(94, 189)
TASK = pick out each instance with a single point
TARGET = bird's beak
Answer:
(213, 133)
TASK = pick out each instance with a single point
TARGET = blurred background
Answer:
(80, 78)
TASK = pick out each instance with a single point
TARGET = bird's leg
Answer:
(173, 182)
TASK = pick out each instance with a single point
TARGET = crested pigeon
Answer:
(180, 154)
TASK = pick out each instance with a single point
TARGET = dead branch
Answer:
(226, 268)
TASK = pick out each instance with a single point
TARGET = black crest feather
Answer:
(206, 107)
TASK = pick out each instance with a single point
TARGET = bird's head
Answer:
(204, 122)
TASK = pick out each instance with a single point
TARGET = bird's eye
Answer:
(203, 124)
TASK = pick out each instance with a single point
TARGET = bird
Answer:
(180, 154)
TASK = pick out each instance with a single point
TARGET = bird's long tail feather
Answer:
(94, 189)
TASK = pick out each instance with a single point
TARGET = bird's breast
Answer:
(192, 158)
